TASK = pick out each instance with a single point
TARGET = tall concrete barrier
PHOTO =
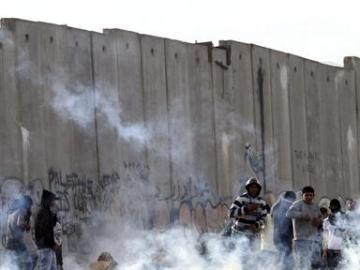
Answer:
(154, 132)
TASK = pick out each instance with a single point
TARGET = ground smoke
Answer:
(180, 248)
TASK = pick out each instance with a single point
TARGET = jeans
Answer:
(47, 259)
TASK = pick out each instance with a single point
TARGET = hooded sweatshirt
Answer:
(243, 218)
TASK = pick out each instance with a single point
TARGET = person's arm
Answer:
(295, 212)
(21, 221)
(237, 208)
(261, 218)
(325, 237)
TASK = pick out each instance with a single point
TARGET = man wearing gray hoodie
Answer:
(305, 215)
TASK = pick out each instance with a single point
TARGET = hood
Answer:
(47, 197)
(251, 181)
(23, 202)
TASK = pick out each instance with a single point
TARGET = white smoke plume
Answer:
(176, 249)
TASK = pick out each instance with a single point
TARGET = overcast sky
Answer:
(322, 30)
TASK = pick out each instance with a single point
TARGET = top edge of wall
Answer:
(10, 24)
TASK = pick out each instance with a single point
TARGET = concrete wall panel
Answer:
(330, 133)
(263, 112)
(314, 151)
(28, 43)
(80, 84)
(202, 115)
(10, 131)
(280, 81)
(180, 132)
(353, 63)
(134, 169)
(345, 86)
(297, 104)
(108, 107)
(156, 118)
(224, 134)
(236, 100)
(130, 94)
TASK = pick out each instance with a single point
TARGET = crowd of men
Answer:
(305, 235)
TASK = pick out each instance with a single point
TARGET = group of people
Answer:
(45, 247)
(305, 235)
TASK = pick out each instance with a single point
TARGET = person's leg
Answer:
(303, 252)
(333, 258)
(316, 259)
(45, 259)
(53, 260)
(288, 260)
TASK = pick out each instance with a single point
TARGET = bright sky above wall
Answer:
(322, 30)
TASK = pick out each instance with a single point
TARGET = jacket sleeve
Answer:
(237, 208)
(295, 212)
(261, 219)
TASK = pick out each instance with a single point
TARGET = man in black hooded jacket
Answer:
(44, 231)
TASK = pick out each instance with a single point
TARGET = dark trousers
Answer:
(284, 249)
(333, 258)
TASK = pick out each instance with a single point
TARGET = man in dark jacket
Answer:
(44, 231)
(283, 229)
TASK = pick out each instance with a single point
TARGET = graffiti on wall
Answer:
(126, 194)
(307, 161)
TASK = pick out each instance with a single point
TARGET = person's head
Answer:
(335, 206)
(27, 202)
(253, 187)
(106, 257)
(308, 194)
(48, 199)
(350, 204)
(23, 202)
(324, 212)
(290, 195)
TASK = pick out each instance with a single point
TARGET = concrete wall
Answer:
(155, 131)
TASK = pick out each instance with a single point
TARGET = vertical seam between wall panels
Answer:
(168, 118)
(341, 129)
(290, 122)
(95, 104)
(274, 166)
(214, 122)
(253, 95)
(146, 152)
(306, 124)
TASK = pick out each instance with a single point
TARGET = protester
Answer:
(58, 241)
(249, 211)
(283, 229)
(350, 205)
(44, 231)
(18, 222)
(305, 215)
(104, 262)
(333, 235)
